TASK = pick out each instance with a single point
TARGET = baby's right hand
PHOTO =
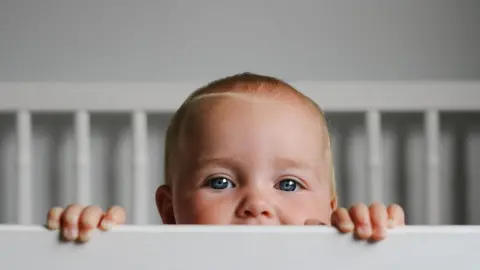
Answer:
(76, 222)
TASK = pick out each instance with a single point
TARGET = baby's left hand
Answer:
(368, 223)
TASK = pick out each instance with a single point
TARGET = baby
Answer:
(246, 149)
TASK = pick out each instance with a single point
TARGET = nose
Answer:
(254, 205)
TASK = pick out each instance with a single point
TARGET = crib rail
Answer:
(241, 247)
(139, 99)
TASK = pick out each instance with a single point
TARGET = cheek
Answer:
(301, 207)
(205, 207)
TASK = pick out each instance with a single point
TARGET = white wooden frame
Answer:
(241, 247)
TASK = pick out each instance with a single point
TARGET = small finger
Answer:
(89, 220)
(115, 216)
(341, 219)
(378, 218)
(361, 219)
(54, 218)
(70, 219)
(396, 216)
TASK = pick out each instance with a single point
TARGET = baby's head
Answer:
(247, 149)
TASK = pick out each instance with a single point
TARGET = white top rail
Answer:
(241, 247)
(167, 97)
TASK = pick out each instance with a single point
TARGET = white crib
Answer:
(149, 105)
(241, 247)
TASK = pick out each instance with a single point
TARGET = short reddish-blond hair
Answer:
(244, 83)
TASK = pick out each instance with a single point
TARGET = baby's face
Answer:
(251, 161)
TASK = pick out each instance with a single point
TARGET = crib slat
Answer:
(432, 135)
(83, 179)
(24, 167)
(141, 196)
(374, 138)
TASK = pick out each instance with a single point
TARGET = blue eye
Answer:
(288, 185)
(220, 183)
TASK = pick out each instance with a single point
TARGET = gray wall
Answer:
(45, 40)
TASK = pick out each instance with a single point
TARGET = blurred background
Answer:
(303, 40)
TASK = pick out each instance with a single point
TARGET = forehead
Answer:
(230, 119)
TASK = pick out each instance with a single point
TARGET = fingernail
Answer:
(70, 233)
(364, 230)
(53, 225)
(74, 233)
(347, 226)
(66, 234)
(71, 219)
(107, 224)
(381, 232)
(84, 236)
(390, 223)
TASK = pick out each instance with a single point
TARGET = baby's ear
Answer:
(334, 203)
(163, 198)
